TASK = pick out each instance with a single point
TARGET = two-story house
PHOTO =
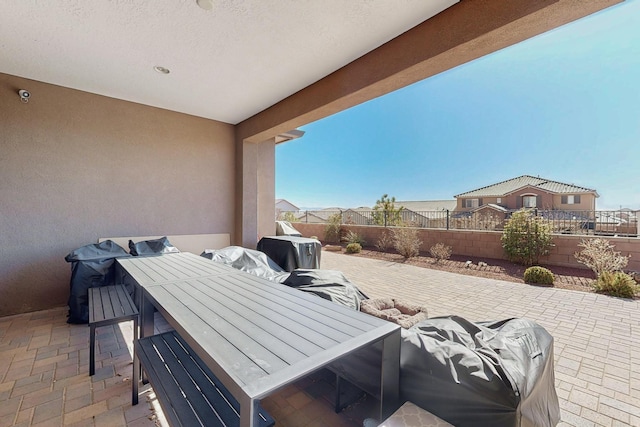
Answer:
(528, 192)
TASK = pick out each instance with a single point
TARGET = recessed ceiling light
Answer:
(205, 4)
(161, 70)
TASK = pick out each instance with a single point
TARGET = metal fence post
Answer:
(447, 219)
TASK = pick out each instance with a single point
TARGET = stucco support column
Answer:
(256, 192)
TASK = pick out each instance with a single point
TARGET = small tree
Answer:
(385, 212)
(334, 228)
(526, 238)
(287, 216)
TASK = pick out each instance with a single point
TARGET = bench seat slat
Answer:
(178, 411)
(108, 305)
(189, 393)
(225, 407)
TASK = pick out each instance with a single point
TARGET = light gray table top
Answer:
(153, 270)
(256, 336)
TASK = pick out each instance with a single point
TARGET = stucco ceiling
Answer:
(226, 64)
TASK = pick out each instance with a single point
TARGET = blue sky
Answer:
(564, 105)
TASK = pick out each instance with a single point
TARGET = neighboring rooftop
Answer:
(428, 205)
(509, 186)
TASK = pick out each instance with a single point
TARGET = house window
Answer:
(498, 200)
(470, 203)
(570, 200)
(529, 201)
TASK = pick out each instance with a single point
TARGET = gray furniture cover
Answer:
(284, 228)
(247, 260)
(328, 284)
(91, 266)
(291, 252)
(480, 374)
(152, 247)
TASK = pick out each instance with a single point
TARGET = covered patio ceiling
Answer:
(232, 63)
(226, 64)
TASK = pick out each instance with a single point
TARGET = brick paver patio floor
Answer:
(597, 338)
(44, 377)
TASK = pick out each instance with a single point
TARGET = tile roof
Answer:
(509, 186)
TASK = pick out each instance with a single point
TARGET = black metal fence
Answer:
(608, 223)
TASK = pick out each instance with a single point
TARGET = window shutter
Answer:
(480, 202)
(576, 199)
(563, 200)
(538, 201)
(518, 202)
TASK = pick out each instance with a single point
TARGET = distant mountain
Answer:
(310, 209)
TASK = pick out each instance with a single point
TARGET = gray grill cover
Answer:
(480, 374)
(291, 252)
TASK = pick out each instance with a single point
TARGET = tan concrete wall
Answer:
(487, 243)
(75, 167)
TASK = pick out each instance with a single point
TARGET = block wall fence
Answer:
(487, 243)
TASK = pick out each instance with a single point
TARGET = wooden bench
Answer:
(108, 305)
(188, 392)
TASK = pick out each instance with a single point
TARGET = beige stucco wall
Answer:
(75, 167)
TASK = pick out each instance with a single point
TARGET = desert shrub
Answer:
(353, 248)
(353, 237)
(526, 238)
(538, 275)
(385, 241)
(616, 284)
(406, 242)
(440, 251)
(334, 228)
(599, 256)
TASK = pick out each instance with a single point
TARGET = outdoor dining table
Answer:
(256, 336)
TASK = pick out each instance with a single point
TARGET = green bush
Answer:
(526, 238)
(353, 248)
(334, 228)
(539, 275)
(353, 237)
(616, 284)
